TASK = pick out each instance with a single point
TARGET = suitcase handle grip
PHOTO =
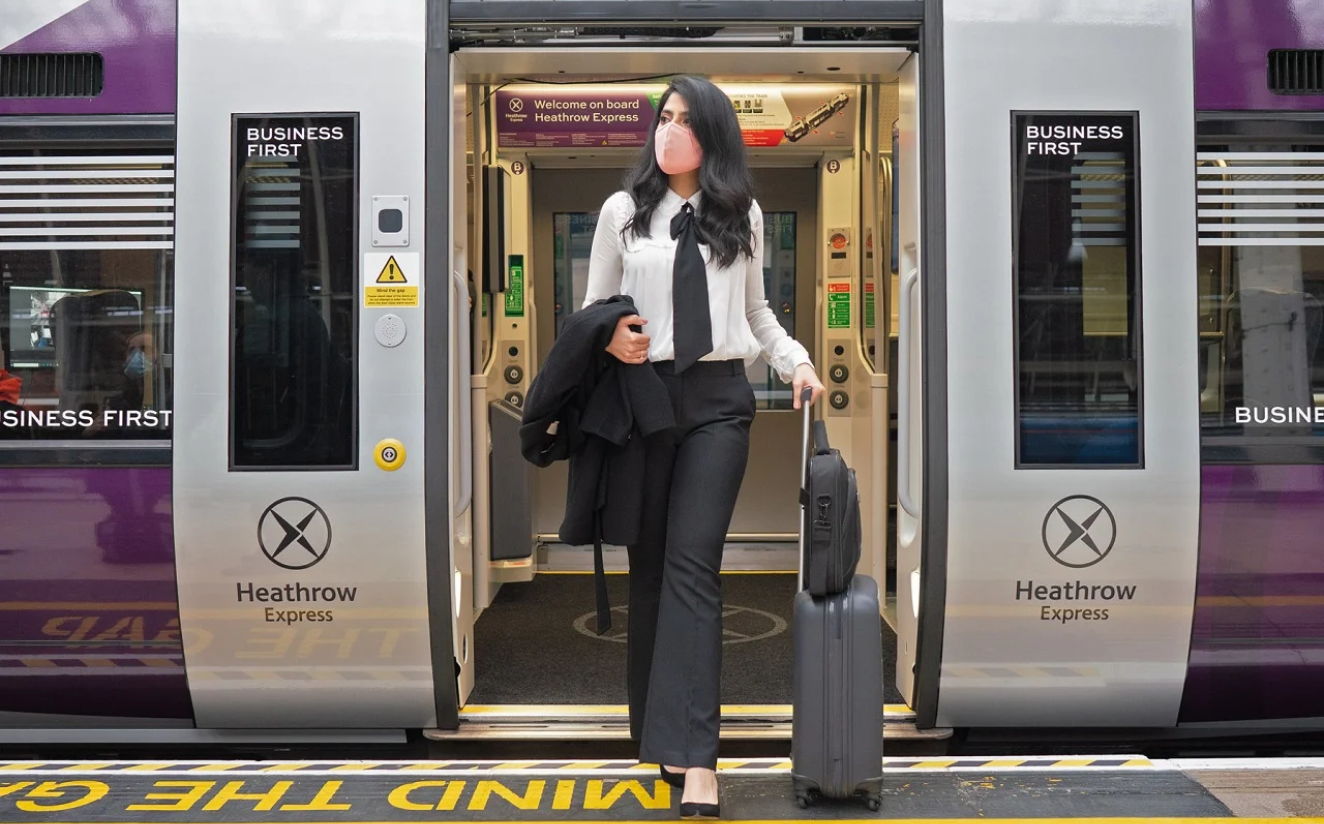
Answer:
(806, 395)
(807, 438)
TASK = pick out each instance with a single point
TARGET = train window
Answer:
(86, 289)
(293, 387)
(779, 253)
(894, 278)
(1075, 241)
(1262, 291)
(572, 238)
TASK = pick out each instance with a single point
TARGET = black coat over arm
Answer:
(588, 407)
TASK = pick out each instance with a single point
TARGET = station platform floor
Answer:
(1099, 789)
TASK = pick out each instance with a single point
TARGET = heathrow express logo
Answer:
(516, 105)
(1079, 531)
(294, 533)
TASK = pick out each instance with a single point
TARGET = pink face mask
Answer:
(677, 150)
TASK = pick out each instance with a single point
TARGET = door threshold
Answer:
(489, 713)
(610, 722)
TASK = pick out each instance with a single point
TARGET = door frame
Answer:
(933, 365)
(440, 435)
(438, 395)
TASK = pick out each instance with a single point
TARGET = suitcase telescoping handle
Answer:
(806, 395)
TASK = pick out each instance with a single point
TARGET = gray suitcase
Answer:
(837, 720)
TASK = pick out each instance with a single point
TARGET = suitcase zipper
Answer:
(824, 520)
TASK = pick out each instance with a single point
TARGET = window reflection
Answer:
(572, 239)
(86, 280)
(1262, 291)
(1075, 219)
(770, 391)
(293, 396)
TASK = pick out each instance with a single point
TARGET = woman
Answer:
(685, 241)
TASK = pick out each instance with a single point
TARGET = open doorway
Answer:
(823, 132)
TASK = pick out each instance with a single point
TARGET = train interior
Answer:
(547, 137)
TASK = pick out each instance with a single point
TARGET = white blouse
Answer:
(743, 325)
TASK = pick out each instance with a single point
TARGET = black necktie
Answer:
(693, 326)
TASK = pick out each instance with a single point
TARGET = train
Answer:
(277, 278)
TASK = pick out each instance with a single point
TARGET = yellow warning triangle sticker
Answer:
(391, 272)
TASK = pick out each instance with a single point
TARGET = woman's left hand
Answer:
(806, 376)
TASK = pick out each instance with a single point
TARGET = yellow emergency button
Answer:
(389, 454)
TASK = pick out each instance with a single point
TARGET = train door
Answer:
(1072, 382)
(904, 342)
(524, 620)
(299, 507)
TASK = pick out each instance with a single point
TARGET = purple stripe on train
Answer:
(1232, 43)
(136, 39)
(1257, 646)
(89, 619)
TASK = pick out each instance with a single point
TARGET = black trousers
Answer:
(674, 649)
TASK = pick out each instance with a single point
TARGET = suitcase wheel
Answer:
(805, 798)
(874, 804)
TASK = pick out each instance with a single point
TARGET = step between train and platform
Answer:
(610, 722)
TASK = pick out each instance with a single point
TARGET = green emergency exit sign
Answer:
(515, 287)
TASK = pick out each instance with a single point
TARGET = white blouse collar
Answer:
(672, 201)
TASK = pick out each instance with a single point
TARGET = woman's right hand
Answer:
(627, 345)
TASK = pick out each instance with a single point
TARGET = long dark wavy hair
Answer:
(724, 178)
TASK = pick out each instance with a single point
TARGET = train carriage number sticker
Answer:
(391, 281)
(1079, 531)
(294, 533)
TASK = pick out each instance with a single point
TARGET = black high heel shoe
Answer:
(696, 810)
(676, 780)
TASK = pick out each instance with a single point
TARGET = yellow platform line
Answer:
(282, 768)
(541, 766)
(929, 765)
(220, 767)
(356, 767)
(91, 767)
(146, 767)
(424, 767)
